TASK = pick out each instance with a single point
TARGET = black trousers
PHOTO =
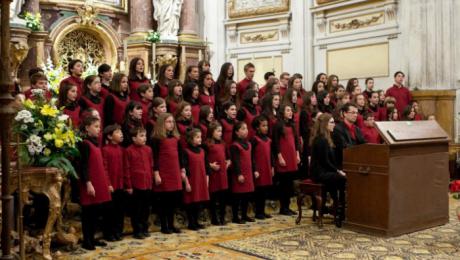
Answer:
(260, 196)
(116, 210)
(285, 188)
(193, 212)
(217, 205)
(89, 219)
(140, 201)
(240, 201)
(335, 185)
(168, 202)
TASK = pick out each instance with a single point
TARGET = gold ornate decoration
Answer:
(259, 37)
(80, 45)
(242, 8)
(46, 181)
(357, 22)
(87, 13)
(19, 52)
(167, 58)
(321, 2)
(111, 5)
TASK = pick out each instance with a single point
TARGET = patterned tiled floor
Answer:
(280, 238)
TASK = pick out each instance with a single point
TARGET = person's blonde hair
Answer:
(320, 129)
(159, 131)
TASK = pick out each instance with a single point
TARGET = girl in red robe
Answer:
(197, 180)
(206, 118)
(136, 77)
(168, 170)
(94, 182)
(117, 100)
(157, 107)
(184, 121)
(261, 151)
(228, 121)
(68, 99)
(287, 157)
(91, 97)
(219, 162)
(249, 110)
(206, 89)
(191, 95)
(243, 173)
(165, 75)
(174, 95)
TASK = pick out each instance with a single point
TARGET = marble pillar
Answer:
(141, 16)
(188, 21)
(430, 43)
(33, 6)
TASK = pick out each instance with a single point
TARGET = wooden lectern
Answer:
(400, 186)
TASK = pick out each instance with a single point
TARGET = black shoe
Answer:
(285, 212)
(88, 246)
(100, 243)
(260, 216)
(193, 227)
(248, 219)
(146, 234)
(118, 237)
(238, 221)
(267, 215)
(138, 236)
(200, 226)
(166, 231)
(110, 238)
(176, 230)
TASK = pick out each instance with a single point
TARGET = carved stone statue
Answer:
(167, 14)
(15, 10)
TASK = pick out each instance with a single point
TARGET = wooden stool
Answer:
(315, 190)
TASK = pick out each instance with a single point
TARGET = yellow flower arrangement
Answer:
(49, 139)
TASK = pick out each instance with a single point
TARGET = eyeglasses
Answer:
(331, 122)
(352, 112)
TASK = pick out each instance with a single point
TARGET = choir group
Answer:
(206, 143)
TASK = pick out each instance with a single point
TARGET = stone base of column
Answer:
(190, 38)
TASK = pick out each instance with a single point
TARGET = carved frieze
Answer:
(249, 8)
(357, 22)
(259, 37)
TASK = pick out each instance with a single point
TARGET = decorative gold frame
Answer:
(263, 36)
(123, 5)
(357, 22)
(251, 12)
(107, 36)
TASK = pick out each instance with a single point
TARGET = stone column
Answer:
(33, 6)
(141, 19)
(188, 21)
(430, 43)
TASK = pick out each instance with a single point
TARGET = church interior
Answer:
(334, 123)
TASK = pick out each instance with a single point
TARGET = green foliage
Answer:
(49, 139)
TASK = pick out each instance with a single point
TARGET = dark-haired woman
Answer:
(136, 77)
